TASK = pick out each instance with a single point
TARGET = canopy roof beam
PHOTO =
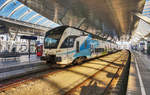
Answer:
(24, 14)
(45, 22)
(142, 17)
(39, 20)
(33, 17)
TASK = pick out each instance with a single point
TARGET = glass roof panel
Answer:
(143, 27)
(35, 19)
(2, 2)
(9, 8)
(14, 10)
(18, 13)
(27, 17)
(42, 21)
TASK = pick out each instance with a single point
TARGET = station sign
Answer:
(29, 37)
(142, 43)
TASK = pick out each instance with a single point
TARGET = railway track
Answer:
(7, 84)
(31, 78)
(90, 79)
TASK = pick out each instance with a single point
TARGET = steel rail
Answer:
(89, 78)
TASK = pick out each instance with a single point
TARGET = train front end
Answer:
(51, 42)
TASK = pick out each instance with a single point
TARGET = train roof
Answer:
(93, 35)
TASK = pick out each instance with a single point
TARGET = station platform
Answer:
(139, 80)
(16, 66)
(94, 77)
(16, 61)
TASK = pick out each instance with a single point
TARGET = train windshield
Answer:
(52, 37)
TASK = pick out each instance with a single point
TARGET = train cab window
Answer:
(52, 37)
(68, 42)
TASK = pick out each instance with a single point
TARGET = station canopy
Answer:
(111, 18)
(142, 32)
(14, 9)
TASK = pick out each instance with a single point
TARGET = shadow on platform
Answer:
(92, 89)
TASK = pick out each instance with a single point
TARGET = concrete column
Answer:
(55, 13)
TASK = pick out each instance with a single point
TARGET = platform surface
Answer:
(16, 61)
(139, 76)
(18, 66)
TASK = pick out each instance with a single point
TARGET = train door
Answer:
(68, 47)
(92, 49)
(77, 47)
(64, 49)
(72, 50)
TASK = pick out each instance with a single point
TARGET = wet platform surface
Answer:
(18, 66)
(16, 61)
(139, 77)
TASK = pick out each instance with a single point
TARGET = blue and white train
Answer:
(65, 45)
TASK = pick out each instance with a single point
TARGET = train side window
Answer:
(77, 46)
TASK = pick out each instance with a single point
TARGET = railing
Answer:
(12, 54)
(9, 54)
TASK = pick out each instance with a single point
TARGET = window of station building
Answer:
(69, 42)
